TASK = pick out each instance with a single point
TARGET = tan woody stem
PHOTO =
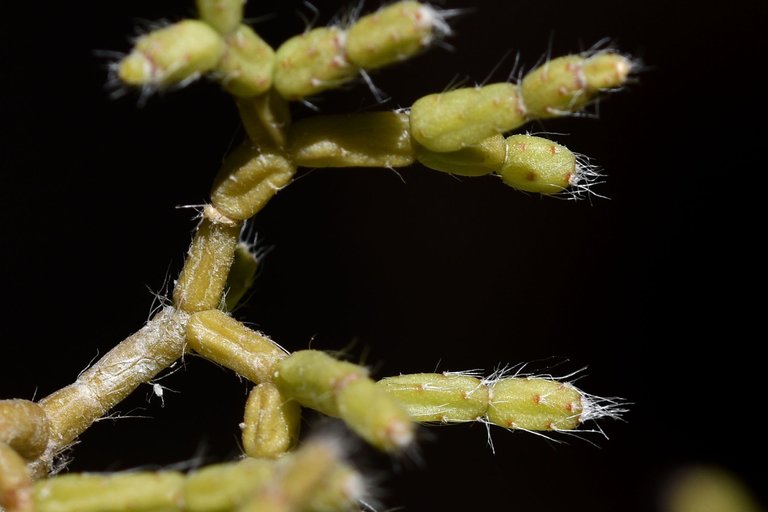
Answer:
(135, 360)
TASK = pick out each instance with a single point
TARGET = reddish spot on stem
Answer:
(344, 381)
(152, 66)
(399, 433)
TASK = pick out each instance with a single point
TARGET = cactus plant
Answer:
(456, 132)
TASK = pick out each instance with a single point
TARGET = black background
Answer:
(656, 290)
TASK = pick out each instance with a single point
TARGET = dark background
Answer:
(655, 290)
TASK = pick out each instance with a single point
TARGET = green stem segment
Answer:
(312, 478)
(24, 427)
(342, 389)
(222, 339)
(15, 482)
(271, 423)
(513, 403)
(203, 279)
